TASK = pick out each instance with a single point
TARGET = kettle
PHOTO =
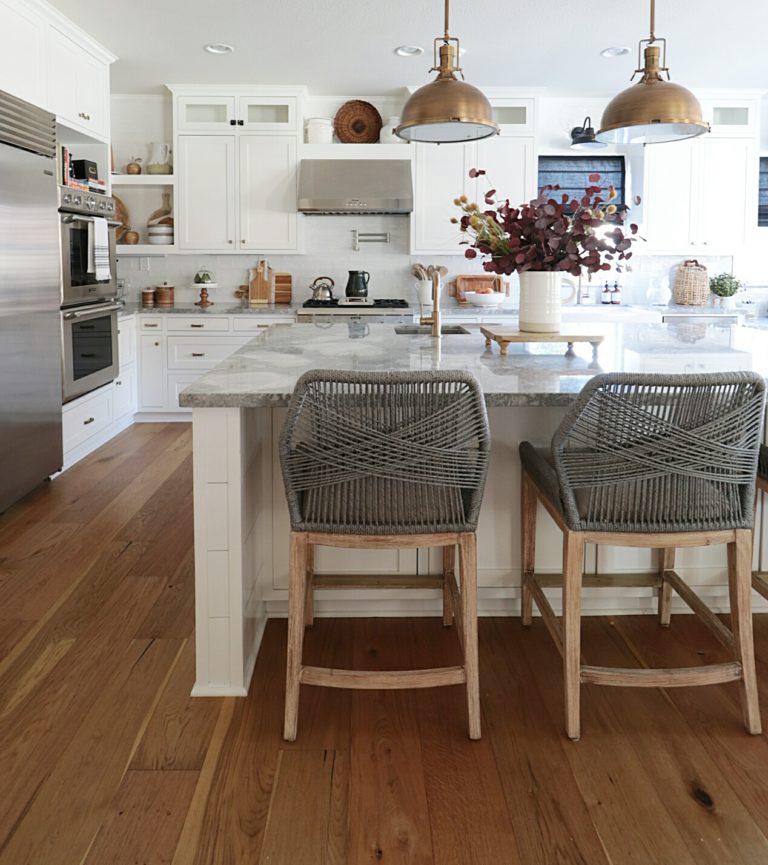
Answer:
(322, 288)
(357, 283)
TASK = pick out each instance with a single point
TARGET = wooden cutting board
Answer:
(473, 282)
(260, 285)
(506, 335)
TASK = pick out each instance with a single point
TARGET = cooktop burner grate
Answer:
(378, 303)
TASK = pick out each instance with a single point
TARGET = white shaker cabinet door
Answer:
(206, 192)
(441, 175)
(268, 193)
(510, 166)
(151, 371)
(21, 60)
(728, 191)
(668, 207)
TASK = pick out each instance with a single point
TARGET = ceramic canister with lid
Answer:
(319, 130)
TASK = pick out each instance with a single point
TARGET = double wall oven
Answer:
(89, 305)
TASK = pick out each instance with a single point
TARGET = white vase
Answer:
(541, 300)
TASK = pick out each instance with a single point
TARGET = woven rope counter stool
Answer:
(760, 578)
(384, 460)
(655, 461)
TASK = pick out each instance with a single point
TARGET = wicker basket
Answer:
(692, 284)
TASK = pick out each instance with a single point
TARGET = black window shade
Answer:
(762, 201)
(571, 174)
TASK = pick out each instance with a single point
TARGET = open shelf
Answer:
(142, 179)
(152, 249)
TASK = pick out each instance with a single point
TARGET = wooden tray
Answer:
(473, 281)
(506, 335)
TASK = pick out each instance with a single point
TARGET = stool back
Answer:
(385, 453)
(660, 453)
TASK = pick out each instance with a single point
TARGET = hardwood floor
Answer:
(105, 759)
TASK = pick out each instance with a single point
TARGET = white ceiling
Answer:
(346, 46)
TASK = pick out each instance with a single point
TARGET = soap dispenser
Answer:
(606, 295)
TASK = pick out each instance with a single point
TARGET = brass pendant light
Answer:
(447, 110)
(654, 110)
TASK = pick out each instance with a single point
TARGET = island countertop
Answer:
(264, 372)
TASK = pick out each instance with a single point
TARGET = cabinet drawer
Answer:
(200, 354)
(177, 381)
(250, 323)
(87, 416)
(150, 322)
(198, 323)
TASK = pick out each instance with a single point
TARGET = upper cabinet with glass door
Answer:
(732, 116)
(204, 109)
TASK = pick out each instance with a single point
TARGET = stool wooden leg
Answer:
(449, 564)
(666, 563)
(468, 564)
(297, 579)
(528, 542)
(740, 587)
(573, 569)
(309, 595)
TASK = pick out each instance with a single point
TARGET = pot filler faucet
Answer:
(434, 319)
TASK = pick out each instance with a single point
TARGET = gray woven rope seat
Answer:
(385, 453)
(654, 461)
(384, 460)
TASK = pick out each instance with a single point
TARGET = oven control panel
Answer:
(75, 201)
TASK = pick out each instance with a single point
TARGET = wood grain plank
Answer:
(550, 816)
(611, 777)
(173, 615)
(713, 713)
(144, 820)
(301, 835)
(468, 814)
(694, 792)
(389, 813)
(91, 766)
(180, 729)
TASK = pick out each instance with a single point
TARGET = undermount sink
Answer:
(426, 330)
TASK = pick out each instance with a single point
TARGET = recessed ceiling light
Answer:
(614, 51)
(409, 50)
(218, 48)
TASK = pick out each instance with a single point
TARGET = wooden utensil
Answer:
(162, 216)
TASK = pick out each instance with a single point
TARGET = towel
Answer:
(98, 249)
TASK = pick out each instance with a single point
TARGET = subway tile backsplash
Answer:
(328, 251)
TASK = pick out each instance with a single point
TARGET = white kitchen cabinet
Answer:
(206, 192)
(22, 58)
(126, 340)
(700, 195)
(78, 85)
(442, 174)
(237, 193)
(151, 372)
(124, 394)
(205, 113)
(268, 113)
(268, 192)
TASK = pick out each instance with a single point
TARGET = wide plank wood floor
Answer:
(105, 759)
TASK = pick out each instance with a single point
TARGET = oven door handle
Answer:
(71, 218)
(112, 307)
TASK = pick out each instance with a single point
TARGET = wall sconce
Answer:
(583, 137)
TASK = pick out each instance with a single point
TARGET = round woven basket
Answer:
(691, 284)
(357, 122)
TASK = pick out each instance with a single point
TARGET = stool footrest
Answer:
(673, 677)
(376, 581)
(760, 583)
(371, 680)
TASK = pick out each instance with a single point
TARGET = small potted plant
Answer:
(723, 286)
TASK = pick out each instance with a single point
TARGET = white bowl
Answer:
(160, 229)
(492, 299)
(161, 239)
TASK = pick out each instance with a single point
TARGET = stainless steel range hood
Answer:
(346, 186)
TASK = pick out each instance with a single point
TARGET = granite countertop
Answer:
(264, 372)
(227, 308)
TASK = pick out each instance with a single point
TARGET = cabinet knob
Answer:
(242, 241)
(117, 382)
(232, 122)
(157, 343)
(240, 122)
(230, 241)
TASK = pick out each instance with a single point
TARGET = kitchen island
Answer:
(241, 520)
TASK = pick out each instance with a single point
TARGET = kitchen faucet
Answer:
(434, 319)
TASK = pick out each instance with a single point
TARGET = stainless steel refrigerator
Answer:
(30, 297)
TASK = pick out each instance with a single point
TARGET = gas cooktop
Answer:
(378, 303)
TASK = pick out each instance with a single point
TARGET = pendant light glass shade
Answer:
(447, 110)
(654, 110)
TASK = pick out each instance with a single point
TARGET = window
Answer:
(762, 201)
(571, 173)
